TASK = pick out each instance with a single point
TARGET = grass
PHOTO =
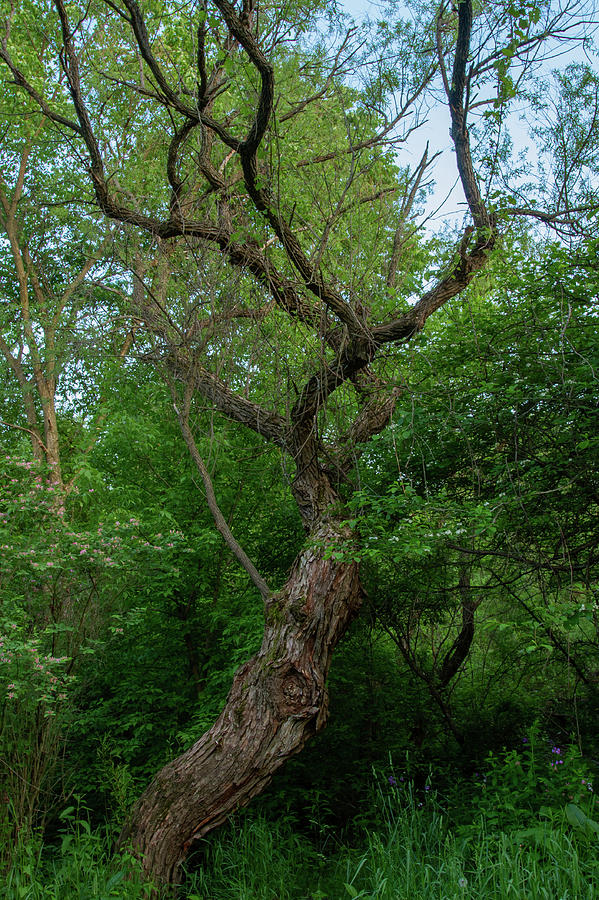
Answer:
(81, 868)
(413, 853)
(414, 856)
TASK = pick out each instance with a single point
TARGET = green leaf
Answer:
(575, 816)
(116, 879)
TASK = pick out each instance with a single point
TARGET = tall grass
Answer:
(412, 854)
(421, 860)
(82, 867)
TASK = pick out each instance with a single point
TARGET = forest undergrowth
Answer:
(523, 827)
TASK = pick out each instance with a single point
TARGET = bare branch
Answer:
(29, 431)
(404, 214)
(459, 650)
(219, 520)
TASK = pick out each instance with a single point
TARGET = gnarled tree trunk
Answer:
(277, 702)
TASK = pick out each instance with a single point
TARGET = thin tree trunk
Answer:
(277, 702)
(51, 437)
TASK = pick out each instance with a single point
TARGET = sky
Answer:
(436, 133)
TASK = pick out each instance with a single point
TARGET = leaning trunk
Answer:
(277, 702)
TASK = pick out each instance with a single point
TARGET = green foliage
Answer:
(411, 849)
(540, 779)
(80, 867)
(494, 491)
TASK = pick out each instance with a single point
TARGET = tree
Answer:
(477, 505)
(40, 313)
(277, 180)
(57, 279)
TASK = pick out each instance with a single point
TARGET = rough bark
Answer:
(277, 702)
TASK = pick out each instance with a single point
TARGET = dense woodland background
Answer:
(143, 315)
